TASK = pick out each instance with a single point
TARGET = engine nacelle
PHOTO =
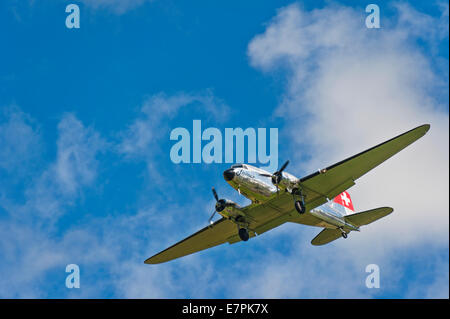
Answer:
(288, 181)
(228, 208)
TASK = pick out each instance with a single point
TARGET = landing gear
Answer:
(242, 226)
(343, 233)
(300, 205)
(243, 234)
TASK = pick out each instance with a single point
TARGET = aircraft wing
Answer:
(261, 218)
(208, 237)
(333, 180)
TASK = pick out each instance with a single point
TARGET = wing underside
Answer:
(208, 237)
(333, 180)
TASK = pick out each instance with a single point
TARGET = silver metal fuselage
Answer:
(250, 182)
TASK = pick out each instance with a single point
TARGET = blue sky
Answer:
(85, 117)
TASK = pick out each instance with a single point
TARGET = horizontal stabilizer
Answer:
(368, 216)
(325, 236)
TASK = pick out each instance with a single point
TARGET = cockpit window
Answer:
(237, 166)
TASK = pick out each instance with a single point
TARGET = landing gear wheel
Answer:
(300, 207)
(344, 235)
(243, 234)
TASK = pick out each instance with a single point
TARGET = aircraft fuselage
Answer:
(254, 183)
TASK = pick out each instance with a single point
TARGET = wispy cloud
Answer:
(76, 164)
(49, 190)
(34, 247)
(20, 140)
(143, 138)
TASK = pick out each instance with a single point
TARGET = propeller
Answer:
(276, 177)
(220, 205)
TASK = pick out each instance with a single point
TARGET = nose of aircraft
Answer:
(228, 174)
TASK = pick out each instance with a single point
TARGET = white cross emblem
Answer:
(345, 199)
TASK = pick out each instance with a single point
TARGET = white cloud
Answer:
(34, 246)
(144, 132)
(152, 125)
(78, 146)
(421, 25)
(75, 167)
(350, 88)
(143, 135)
(143, 138)
(20, 141)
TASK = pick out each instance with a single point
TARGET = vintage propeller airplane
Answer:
(281, 197)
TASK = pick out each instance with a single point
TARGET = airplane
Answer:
(280, 197)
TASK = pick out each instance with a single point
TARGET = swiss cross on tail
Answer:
(345, 200)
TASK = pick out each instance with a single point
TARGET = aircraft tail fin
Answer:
(343, 202)
(368, 216)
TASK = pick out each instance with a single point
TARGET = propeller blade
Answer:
(215, 194)
(283, 167)
(210, 218)
(265, 175)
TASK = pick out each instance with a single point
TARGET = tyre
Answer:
(243, 234)
(299, 207)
